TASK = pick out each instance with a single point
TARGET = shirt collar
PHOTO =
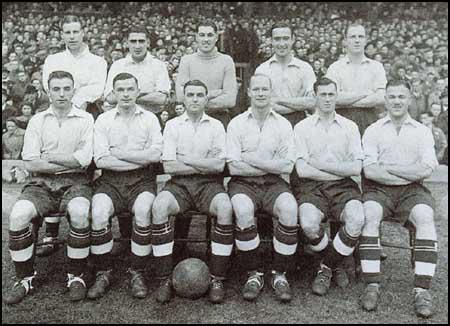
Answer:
(364, 59)
(184, 117)
(148, 57)
(337, 118)
(82, 54)
(294, 61)
(249, 113)
(409, 121)
(74, 112)
(139, 110)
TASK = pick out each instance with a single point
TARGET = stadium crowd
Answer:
(410, 39)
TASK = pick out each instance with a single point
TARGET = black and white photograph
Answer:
(224, 162)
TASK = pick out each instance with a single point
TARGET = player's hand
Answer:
(214, 152)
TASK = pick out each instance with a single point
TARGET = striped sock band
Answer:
(369, 253)
(101, 246)
(343, 246)
(426, 256)
(247, 242)
(162, 243)
(141, 246)
(78, 245)
(285, 239)
(320, 243)
(52, 226)
(222, 240)
(21, 248)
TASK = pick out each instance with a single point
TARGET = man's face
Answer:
(195, 99)
(206, 39)
(26, 110)
(260, 92)
(398, 99)
(179, 109)
(21, 76)
(326, 98)
(137, 43)
(11, 126)
(164, 116)
(61, 92)
(126, 92)
(435, 109)
(356, 39)
(72, 36)
(282, 41)
(4, 97)
(36, 84)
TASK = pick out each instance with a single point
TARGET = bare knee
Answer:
(244, 210)
(222, 208)
(310, 219)
(102, 210)
(373, 214)
(142, 209)
(354, 217)
(21, 215)
(287, 211)
(78, 210)
(161, 208)
(422, 216)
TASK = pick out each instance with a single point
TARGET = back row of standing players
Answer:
(325, 149)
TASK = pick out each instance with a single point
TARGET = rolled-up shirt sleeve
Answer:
(163, 84)
(428, 152)
(234, 147)
(170, 142)
(32, 140)
(101, 143)
(155, 140)
(219, 142)
(93, 90)
(379, 80)
(84, 152)
(370, 147)
(301, 146)
(287, 148)
(355, 147)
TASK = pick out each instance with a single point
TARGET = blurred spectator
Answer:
(440, 140)
(27, 114)
(163, 118)
(12, 140)
(8, 111)
(42, 102)
(179, 109)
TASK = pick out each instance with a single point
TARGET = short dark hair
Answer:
(207, 23)
(323, 82)
(195, 82)
(71, 19)
(59, 74)
(124, 76)
(398, 82)
(137, 29)
(280, 25)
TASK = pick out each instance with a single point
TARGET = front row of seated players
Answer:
(260, 146)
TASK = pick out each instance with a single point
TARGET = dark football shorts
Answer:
(262, 190)
(330, 197)
(397, 201)
(124, 187)
(52, 194)
(195, 192)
